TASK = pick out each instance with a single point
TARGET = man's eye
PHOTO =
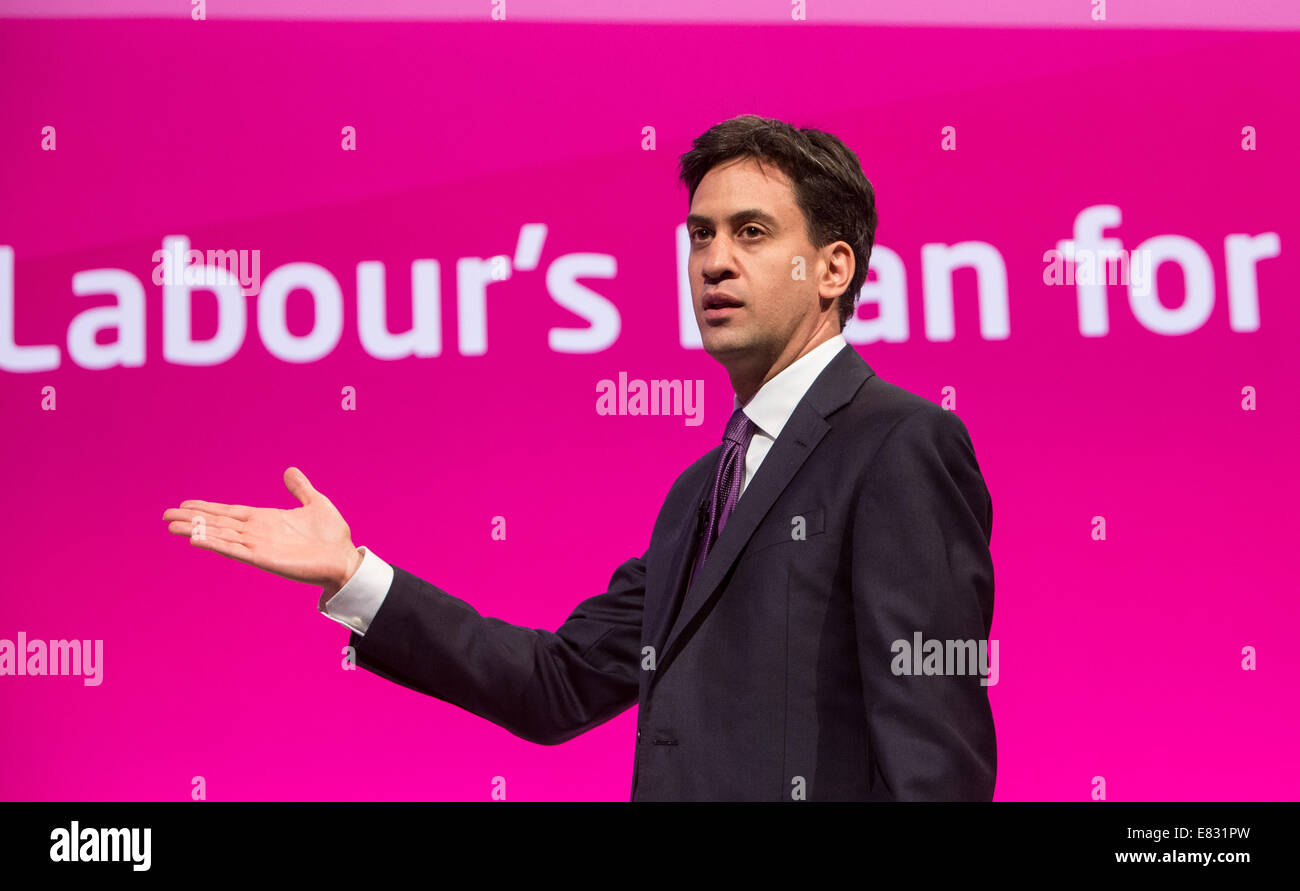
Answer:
(696, 233)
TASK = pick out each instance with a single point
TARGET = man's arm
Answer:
(543, 686)
(546, 687)
(355, 603)
(921, 563)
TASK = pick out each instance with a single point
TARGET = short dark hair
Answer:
(836, 199)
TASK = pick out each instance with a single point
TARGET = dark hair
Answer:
(836, 199)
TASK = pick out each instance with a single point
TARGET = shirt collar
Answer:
(776, 400)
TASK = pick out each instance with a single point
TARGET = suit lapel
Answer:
(835, 386)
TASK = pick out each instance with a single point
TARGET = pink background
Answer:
(1119, 658)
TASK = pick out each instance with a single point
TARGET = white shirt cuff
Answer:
(357, 602)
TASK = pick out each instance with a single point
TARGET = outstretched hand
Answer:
(311, 543)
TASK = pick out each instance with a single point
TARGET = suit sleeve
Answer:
(546, 687)
(921, 563)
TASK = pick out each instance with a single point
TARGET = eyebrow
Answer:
(739, 216)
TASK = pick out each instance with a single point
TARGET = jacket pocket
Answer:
(788, 526)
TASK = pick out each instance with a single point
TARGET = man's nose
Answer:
(719, 262)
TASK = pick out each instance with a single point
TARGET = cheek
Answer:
(791, 277)
(786, 291)
(778, 284)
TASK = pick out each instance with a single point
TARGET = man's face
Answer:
(745, 232)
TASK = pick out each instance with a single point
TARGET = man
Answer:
(765, 637)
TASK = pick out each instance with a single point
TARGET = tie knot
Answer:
(740, 428)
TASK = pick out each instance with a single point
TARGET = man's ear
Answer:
(839, 265)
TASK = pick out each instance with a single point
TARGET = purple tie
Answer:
(726, 482)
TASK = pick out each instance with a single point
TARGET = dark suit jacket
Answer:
(770, 678)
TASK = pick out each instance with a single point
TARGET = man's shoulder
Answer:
(880, 404)
(882, 411)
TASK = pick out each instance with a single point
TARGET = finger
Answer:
(185, 515)
(229, 536)
(208, 527)
(216, 508)
(297, 483)
(232, 549)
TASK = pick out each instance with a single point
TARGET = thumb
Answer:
(298, 484)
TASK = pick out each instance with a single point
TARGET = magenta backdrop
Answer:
(1119, 658)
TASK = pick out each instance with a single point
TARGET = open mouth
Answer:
(719, 305)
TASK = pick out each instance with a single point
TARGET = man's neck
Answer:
(746, 383)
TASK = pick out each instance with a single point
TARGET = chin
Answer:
(722, 343)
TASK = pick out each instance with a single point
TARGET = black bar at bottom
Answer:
(584, 843)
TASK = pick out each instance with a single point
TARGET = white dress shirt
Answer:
(357, 602)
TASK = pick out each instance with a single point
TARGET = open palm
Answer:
(311, 543)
